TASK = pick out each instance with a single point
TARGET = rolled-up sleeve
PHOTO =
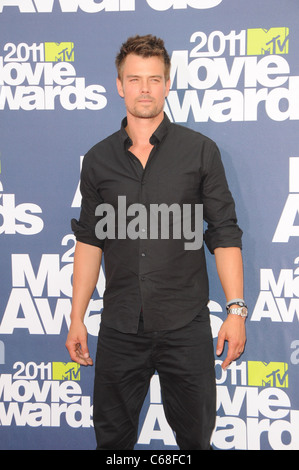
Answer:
(84, 228)
(219, 207)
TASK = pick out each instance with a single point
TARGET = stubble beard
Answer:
(145, 112)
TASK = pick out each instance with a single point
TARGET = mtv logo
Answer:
(273, 374)
(267, 41)
(65, 371)
(59, 51)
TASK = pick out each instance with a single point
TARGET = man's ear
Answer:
(120, 88)
(168, 84)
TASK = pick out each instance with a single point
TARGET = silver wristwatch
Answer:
(241, 310)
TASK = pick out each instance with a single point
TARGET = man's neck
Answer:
(140, 130)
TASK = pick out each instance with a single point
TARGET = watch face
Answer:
(243, 312)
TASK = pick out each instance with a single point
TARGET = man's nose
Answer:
(145, 87)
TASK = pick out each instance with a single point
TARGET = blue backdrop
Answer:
(235, 78)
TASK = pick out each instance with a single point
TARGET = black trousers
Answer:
(125, 363)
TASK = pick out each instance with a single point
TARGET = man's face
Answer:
(143, 86)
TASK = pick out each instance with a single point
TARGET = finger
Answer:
(71, 350)
(82, 354)
(234, 351)
(77, 355)
(220, 345)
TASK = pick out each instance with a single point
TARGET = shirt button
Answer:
(143, 254)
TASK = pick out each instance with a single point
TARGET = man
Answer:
(155, 315)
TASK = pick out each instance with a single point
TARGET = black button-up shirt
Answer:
(159, 276)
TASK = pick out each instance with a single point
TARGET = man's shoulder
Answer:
(104, 146)
(106, 142)
(181, 131)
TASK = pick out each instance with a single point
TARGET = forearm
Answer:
(230, 271)
(87, 263)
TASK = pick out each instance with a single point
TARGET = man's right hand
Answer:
(76, 344)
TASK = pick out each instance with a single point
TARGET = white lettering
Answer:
(12, 213)
(48, 270)
(286, 227)
(229, 433)
(76, 408)
(265, 307)
(93, 6)
(283, 284)
(182, 4)
(70, 97)
(155, 415)
(278, 428)
(20, 299)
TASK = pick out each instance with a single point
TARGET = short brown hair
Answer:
(144, 46)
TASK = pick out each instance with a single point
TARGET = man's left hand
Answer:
(233, 331)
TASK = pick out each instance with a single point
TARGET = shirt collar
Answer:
(156, 137)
